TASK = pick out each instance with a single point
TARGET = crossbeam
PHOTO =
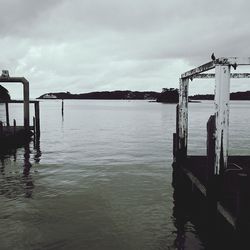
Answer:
(234, 61)
(233, 75)
(200, 69)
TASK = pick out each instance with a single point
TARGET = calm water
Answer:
(101, 178)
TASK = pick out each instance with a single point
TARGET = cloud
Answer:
(87, 45)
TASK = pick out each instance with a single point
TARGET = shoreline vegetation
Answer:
(166, 96)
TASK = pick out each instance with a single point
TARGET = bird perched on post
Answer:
(213, 57)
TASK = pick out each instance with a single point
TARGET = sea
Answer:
(101, 175)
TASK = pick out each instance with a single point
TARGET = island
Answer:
(241, 95)
(4, 94)
(168, 95)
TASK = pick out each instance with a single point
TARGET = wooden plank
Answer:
(227, 215)
(196, 182)
(233, 75)
(222, 94)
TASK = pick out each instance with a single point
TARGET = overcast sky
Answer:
(94, 45)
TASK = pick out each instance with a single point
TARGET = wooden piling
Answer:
(14, 127)
(37, 120)
(222, 93)
(62, 107)
(210, 147)
(7, 114)
(243, 204)
(1, 128)
(183, 117)
(34, 126)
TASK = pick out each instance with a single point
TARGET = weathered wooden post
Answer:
(1, 128)
(7, 114)
(222, 96)
(183, 118)
(14, 127)
(34, 124)
(62, 107)
(210, 147)
(243, 225)
(37, 122)
(26, 104)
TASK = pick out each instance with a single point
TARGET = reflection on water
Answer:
(16, 180)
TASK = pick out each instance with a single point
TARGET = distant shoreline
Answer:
(169, 96)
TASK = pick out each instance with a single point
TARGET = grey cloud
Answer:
(83, 45)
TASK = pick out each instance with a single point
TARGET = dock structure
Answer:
(13, 135)
(223, 180)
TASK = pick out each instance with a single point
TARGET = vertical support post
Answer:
(222, 96)
(1, 128)
(7, 114)
(26, 109)
(37, 117)
(14, 127)
(243, 206)
(183, 117)
(62, 107)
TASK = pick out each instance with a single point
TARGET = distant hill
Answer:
(233, 96)
(111, 95)
(168, 95)
(4, 94)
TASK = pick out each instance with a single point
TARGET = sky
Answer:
(97, 45)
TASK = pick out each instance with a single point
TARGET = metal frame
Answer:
(26, 112)
(222, 77)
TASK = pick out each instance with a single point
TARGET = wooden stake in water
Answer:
(62, 107)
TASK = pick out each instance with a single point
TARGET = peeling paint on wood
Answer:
(202, 68)
(183, 115)
(222, 94)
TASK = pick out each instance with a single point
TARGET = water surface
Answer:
(101, 176)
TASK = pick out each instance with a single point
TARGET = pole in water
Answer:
(62, 107)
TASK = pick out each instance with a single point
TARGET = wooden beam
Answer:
(235, 61)
(233, 75)
(222, 94)
(198, 70)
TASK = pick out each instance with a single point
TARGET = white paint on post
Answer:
(222, 94)
(183, 115)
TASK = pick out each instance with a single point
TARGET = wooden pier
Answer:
(13, 135)
(221, 179)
